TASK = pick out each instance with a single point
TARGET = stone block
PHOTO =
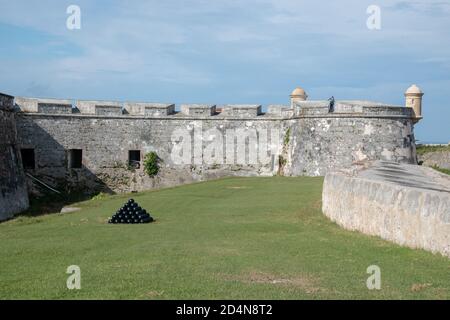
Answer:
(54, 106)
(241, 110)
(198, 110)
(152, 110)
(106, 107)
(280, 110)
(29, 105)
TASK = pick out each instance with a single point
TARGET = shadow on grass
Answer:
(53, 203)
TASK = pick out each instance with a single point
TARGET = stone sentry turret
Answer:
(413, 97)
(298, 94)
(103, 135)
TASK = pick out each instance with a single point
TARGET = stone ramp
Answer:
(407, 175)
(406, 204)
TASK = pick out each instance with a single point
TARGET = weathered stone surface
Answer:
(51, 106)
(90, 107)
(13, 193)
(198, 110)
(280, 110)
(105, 142)
(244, 111)
(149, 109)
(321, 144)
(310, 140)
(406, 204)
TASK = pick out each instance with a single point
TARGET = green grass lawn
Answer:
(443, 170)
(422, 149)
(237, 238)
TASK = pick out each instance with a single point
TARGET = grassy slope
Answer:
(443, 170)
(422, 149)
(232, 238)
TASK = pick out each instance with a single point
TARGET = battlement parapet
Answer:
(6, 102)
(149, 109)
(198, 110)
(241, 110)
(309, 108)
(103, 108)
(349, 108)
(48, 106)
(280, 110)
(53, 106)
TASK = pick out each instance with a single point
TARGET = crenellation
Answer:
(26, 104)
(38, 105)
(280, 110)
(108, 110)
(311, 107)
(54, 108)
(152, 110)
(90, 107)
(241, 110)
(198, 110)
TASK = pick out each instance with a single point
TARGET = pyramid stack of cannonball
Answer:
(130, 213)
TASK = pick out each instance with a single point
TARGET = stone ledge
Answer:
(177, 116)
(243, 111)
(351, 107)
(406, 204)
(149, 109)
(48, 106)
(199, 110)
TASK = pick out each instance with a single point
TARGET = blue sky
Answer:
(217, 51)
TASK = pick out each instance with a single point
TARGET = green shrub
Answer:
(287, 137)
(100, 196)
(151, 163)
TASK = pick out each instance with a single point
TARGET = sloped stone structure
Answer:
(406, 204)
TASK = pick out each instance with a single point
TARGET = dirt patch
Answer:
(307, 283)
(238, 187)
(420, 286)
(317, 205)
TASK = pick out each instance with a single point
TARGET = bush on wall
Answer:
(151, 163)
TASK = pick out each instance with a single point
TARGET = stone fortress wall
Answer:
(13, 191)
(303, 138)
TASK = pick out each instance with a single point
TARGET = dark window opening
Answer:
(134, 158)
(28, 160)
(75, 158)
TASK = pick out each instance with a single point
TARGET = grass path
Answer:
(237, 238)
